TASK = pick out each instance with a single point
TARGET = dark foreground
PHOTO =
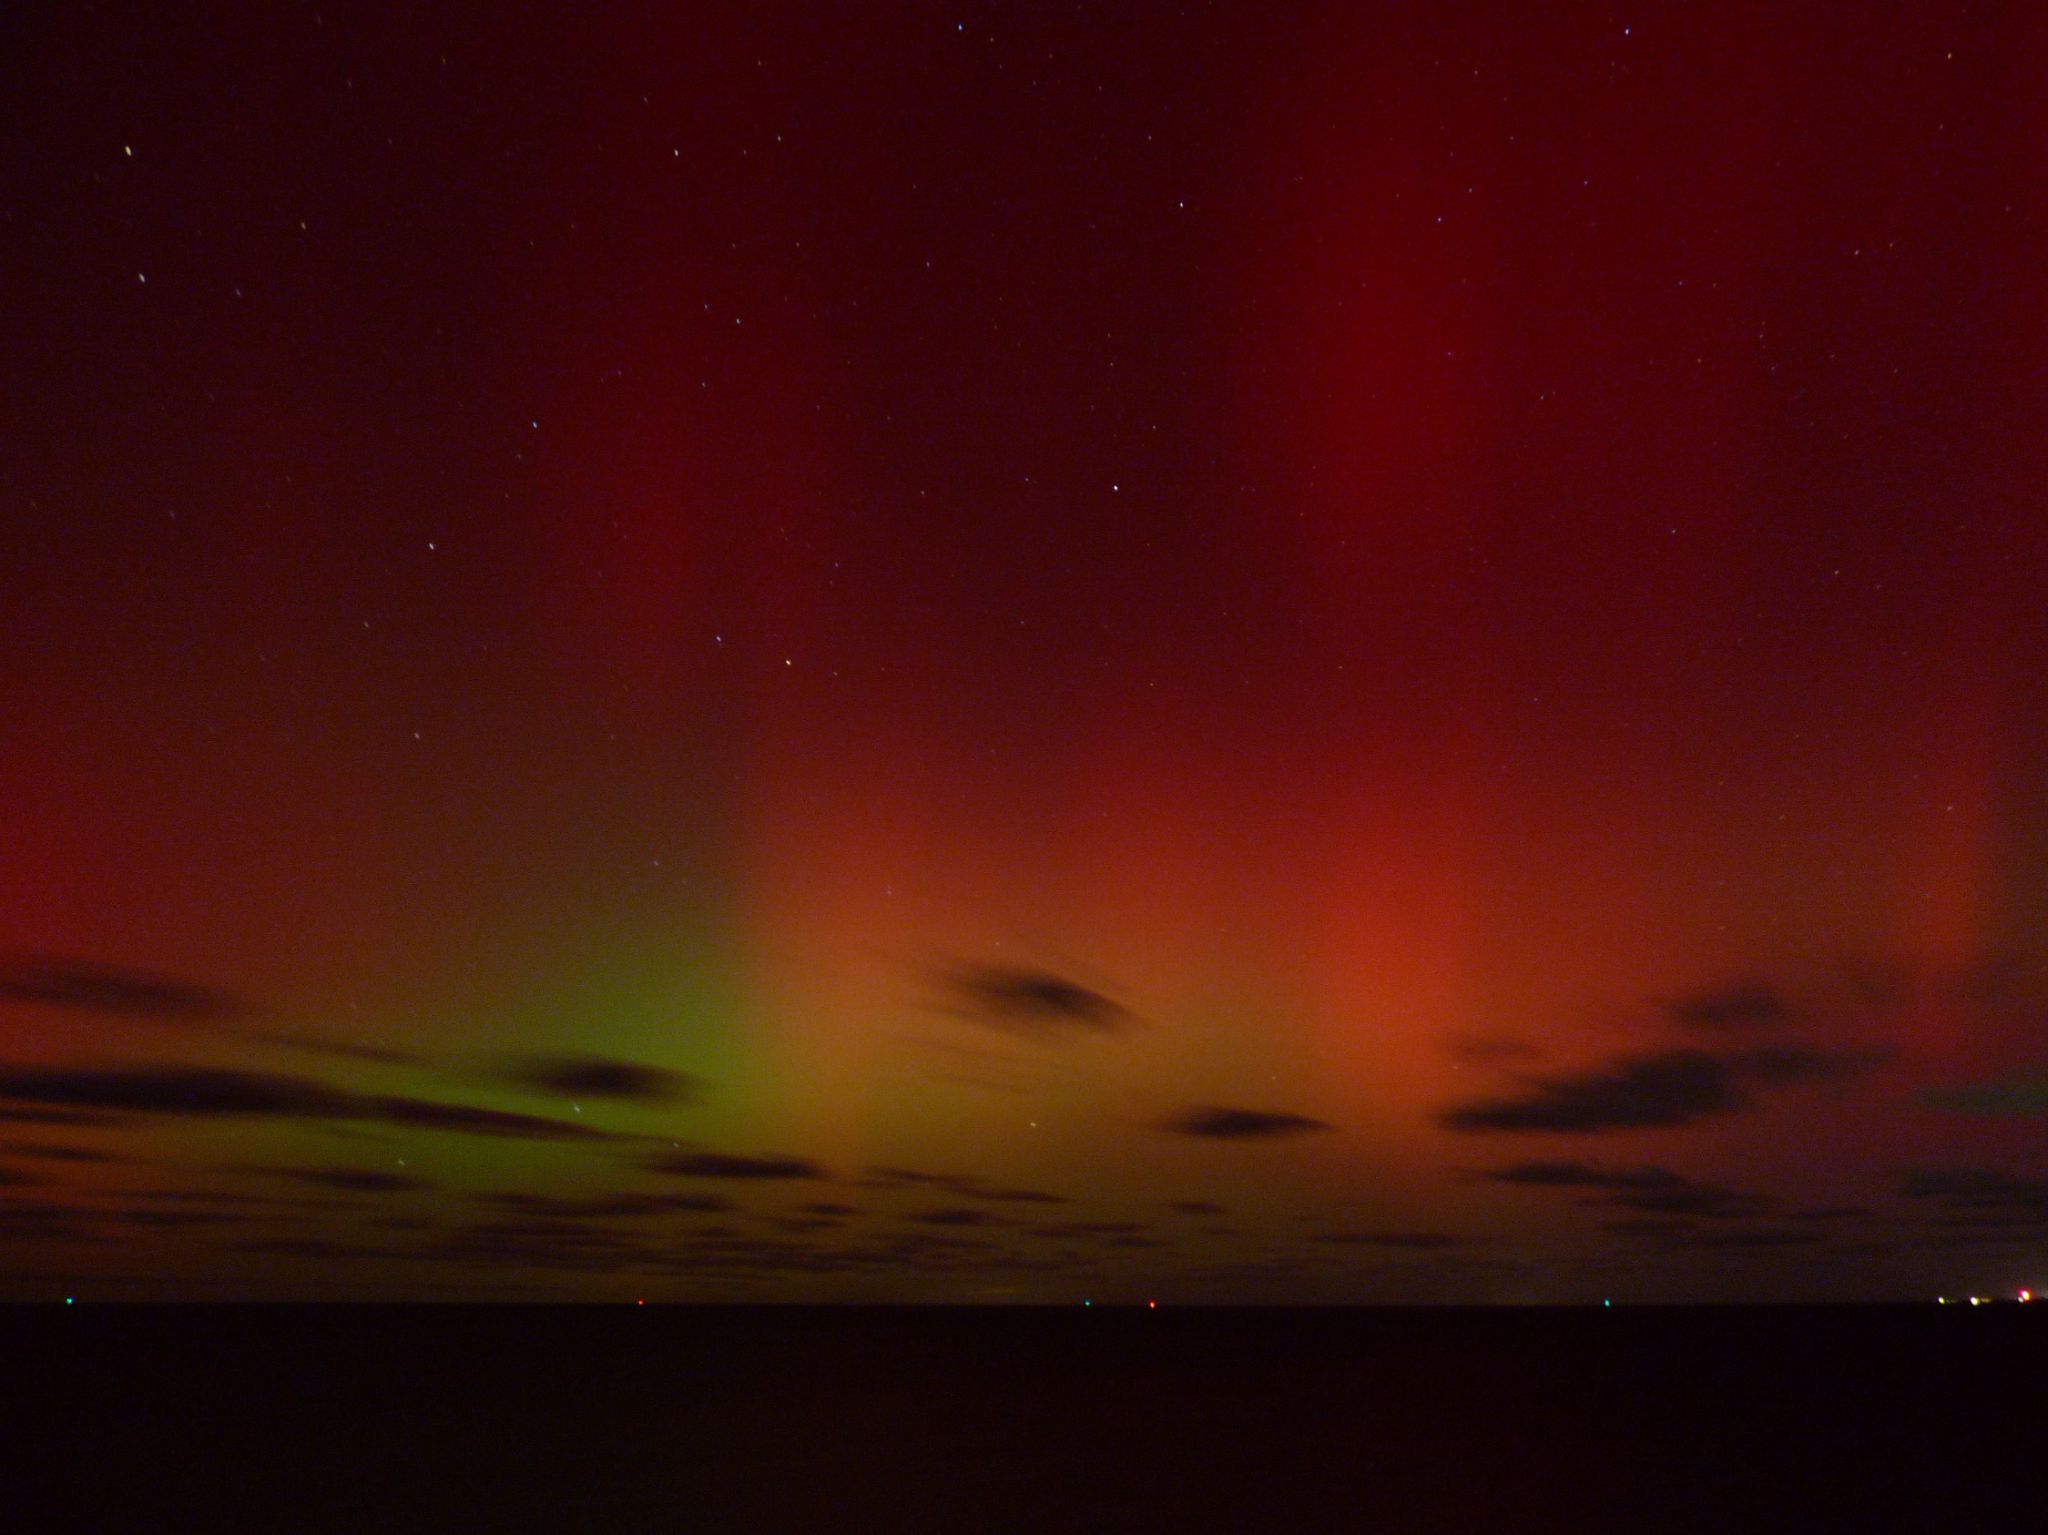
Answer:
(476, 1419)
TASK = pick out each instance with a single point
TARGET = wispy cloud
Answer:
(1981, 1196)
(81, 1154)
(208, 1092)
(1646, 1190)
(601, 1207)
(2018, 1095)
(1410, 1241)
(14, 1114)
(1577, 1175)
(964, 1185)
(1081, 1230)
(148, 997)
(352, 1180)
(1670, 1088)
(82, 986)
(1031, 1002)
(1674, 1088)
(719, 1164)
(595, 1076)
(1745, 1005)
(1228, 1124)
(420, 1113)
(1488, 1049)
(1676, 1235)
(954, 1216)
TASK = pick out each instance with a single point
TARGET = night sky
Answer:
(1024, 652)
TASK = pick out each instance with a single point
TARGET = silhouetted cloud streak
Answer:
(143, 996)
(598, 1207)
(1747, 1006)
(593, 1076)
(1577, 1175)
(83, 986)
(1229, 1124)
(1981, 1197)
(1410, 1241)
(1648, 1190)
(2019, 1095)
(1673, 1087)
(208, 1092)
(354, 1180)
(1033, 1002)
(719, 1164)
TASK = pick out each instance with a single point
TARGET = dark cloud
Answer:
(14, 1178)
(198, 1091)
(965, 1185)
(1577, 1175)
(10, 1114)
(1014, 1196)
(1992, 979)
(1487, 1049)
(1411, 1241)
(541, 1242)
(321, 1248)
(1647, 1190)
(608, 1206)
(1967, 1235)
(1779, 1065)
(1747, 1006)
(912, 1252)
(1755, 1239)
(1033, 1002)
(1648, 1229)
(87, 987)
(1195, 1207)
(57, 1153)
(1223, 1124)
(954, 1217)
(33, 1222)
(803, 1224)
(205, 1092)
(830, 1210)
(1075, 1229)
(421, 1114)
(341, 1050)
(719, 1164)
(225, 1197)
(1705, 1200)
(139, 995)
(172, 1219)
(1981, 1197)
(896, 1177)
(592, 1076)
(354, 1180)
(2020, 1095)
(1875, 985)
(1674, 1087)
(1682, 1235)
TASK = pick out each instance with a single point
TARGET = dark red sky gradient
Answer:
(1024, 652)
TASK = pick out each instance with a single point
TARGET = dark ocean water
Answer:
(562, 1419)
